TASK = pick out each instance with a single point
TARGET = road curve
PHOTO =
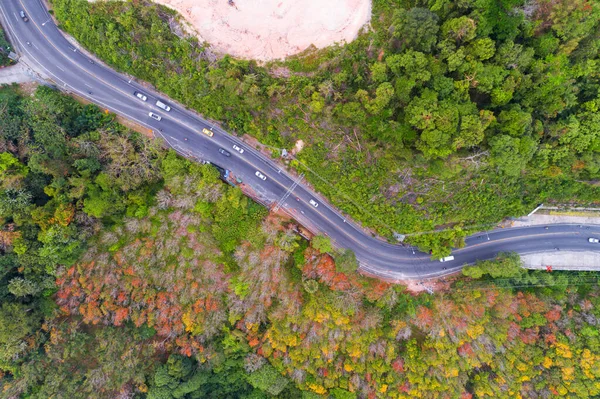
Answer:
(73, 71)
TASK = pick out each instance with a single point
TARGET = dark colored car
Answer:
(224, 152)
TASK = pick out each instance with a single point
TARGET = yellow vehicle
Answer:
(207, 132)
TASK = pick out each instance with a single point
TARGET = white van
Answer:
(162, 105)
(447, 259)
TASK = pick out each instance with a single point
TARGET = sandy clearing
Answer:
(272, 29)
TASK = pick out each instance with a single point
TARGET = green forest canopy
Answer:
(5, 49)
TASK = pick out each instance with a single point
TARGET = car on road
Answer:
(141, 96)
(154, 116)
(238, 149)
(23, 16)
(447, 259)
(162, 105)
(314, 203)
(593, 240)
(224, 152)
(260, 175)
(207, 132)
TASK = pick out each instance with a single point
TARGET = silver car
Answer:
(141, 96)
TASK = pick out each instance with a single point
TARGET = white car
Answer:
(594, 240)
(313, 203)
(154, 116)
(238, 149)
(140, 96)
(260, 175)
(447, 259)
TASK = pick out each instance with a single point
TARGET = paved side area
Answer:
(17, 73)
(563, 261)
(539, 219)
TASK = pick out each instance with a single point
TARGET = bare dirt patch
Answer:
(28, 88)
(272, 29)
(298, 147)
(136, 127)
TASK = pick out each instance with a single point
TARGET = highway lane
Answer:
(73, 71)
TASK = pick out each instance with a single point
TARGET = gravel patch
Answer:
(15, 74)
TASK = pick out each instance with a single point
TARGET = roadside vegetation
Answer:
(444, 114)
(128, 271)
(4, 49)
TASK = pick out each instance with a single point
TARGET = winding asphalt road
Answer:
(73, 71)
